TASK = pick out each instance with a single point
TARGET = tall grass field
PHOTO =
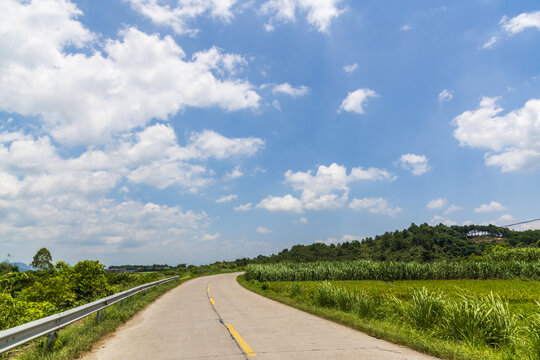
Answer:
(485, 309)
(395, 270)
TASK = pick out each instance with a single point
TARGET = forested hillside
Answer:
(417, 243)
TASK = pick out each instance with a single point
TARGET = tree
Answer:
(7, 267)
(42, 259)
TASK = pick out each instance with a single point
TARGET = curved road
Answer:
(214, 317)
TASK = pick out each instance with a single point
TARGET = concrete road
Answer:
(214, 317)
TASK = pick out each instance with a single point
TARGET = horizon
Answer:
(137, 131)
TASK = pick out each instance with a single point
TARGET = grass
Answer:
(442, 318)
(78, 338)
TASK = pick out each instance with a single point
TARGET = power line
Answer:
(523, 222)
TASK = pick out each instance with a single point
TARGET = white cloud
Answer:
(489, 44)
(416, 164)
(97, 227)
(89, 95)
(303, 220)
(436, 203)
(345, 238)
(320, 13)
(504, 219)
(491, 207)
(151, 156)
(513, 139)
(210, 237)
(328, 241)
(227, 198)
(441, 220)
(210, 144)
(178, 17)
(327, 189)
(287, 89)
(521, 22)
(405, 27)
(374, 205)
(445, 95)
(356, 100)
(287, 203)
(244, 207)
(350, 68)
(263, 230)
(451, 209)
(535, 225)
(234, 174)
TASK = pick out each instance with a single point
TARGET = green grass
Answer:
(79, 337)
(465, 319)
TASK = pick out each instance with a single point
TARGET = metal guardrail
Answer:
(22, 334)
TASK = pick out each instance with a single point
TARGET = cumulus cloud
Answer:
(210, 237)
(227, 198)
(375, 206)
(521, 22)
(436, 203)
(151, 156)
(445, 96)
(180, 13)
(244, 207)
(303, 220)
(287, 203)
(350, 68)
(96, 227)
(234, 174)
(287, 89)
(416, 164)
(491, 207)
(451, 209)
(356, 100)
(89, 95)
(263, 230)
(320, 13)
(327, 189)
(512, 139)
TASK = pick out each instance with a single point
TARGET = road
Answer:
(215, 318)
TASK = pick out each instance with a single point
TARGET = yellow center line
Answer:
(207, 289)
(243, 344)
(212, 301)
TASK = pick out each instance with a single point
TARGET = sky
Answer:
(194, 131)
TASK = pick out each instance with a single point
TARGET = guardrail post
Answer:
(50, 340)
(98, 316)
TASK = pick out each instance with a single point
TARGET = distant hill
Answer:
(421, 243)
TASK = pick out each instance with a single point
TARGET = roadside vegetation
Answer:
(51, 289)
(482, 308)
(463, 319)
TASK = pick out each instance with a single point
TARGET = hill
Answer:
(421, 243)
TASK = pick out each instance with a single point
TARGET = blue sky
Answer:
(174, 131)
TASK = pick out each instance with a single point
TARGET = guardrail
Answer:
(22, 334)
